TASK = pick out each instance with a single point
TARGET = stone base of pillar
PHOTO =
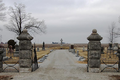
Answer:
(25, 70)
(94, 70)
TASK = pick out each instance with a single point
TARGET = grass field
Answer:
(40, 54)
(106, 57)
(109, 58)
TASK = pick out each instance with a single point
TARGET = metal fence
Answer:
(109, 60)
(10, 60)
(35, 62)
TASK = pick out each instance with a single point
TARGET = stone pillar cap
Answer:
(94, 31)
(25, 35)
(94, 36)
(25, 30)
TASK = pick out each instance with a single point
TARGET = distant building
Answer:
(63, 42)
(57, 43)
(54, 42)
(2, 43)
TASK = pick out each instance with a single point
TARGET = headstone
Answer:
(11, 43)
(72, 49)
(69, 49)
(43, 47)
(81, 58)
(43, 58)
(94, 52)
(77, 54)
(102, 50)
(4, 52)
(25, 53)
(83, 48)
(16, 53)
(11, 51)
(110, 46)
(51, 50)
(16, 47)
(115, 48)
(38, 49)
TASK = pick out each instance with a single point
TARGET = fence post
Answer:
(118, 54)
(1, 57)
(25, 53)
(94, 52)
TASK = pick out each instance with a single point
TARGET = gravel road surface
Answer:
(61, 65)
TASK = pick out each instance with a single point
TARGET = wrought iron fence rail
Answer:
(11, 65)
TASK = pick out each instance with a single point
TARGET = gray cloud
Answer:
(72, 20)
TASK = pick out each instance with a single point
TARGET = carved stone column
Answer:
(94, 52)
(25, 54)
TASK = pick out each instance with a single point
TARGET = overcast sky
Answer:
(71, 20)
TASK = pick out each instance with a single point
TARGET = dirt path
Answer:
(61, 65)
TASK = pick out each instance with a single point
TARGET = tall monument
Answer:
(61, 43)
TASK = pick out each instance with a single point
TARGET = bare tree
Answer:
(2, 8)
(2, 14)
(118, 30)
(112, 33)
(20, 20)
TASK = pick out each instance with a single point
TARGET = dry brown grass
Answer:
(42, 53)
(14, 60)
(59, 47)
(83, 54)
(106, 57)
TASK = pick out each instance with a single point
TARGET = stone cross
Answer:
(61, 41)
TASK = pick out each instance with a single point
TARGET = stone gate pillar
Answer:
(25, 53)
(94, 52)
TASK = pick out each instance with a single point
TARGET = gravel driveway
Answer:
(61, 65)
